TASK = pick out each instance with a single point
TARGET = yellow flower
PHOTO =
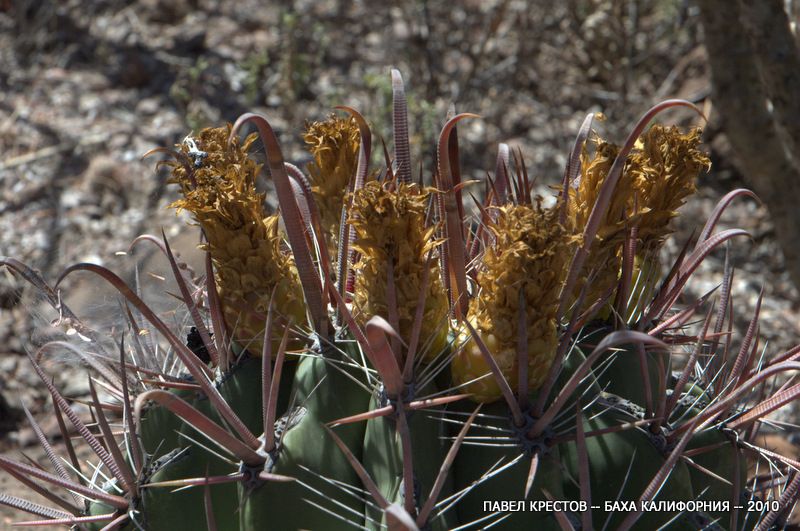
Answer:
(334, 145)
(390, 225)
(529, 257)
(658, 176)
(661, 172)
(245, 243)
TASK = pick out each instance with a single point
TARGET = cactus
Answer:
(530, 369)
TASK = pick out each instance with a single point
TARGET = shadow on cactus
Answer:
(372, 356)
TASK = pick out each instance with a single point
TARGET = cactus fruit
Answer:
(531, 370)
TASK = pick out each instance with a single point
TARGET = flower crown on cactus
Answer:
(334, 347)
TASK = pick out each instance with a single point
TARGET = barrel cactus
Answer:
(370, 356)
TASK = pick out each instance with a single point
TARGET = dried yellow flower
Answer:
(245, 244)
(527, 260)
(390, 225)
(334, 145)
(661, 172)
(658, 176)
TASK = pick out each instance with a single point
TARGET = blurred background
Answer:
(88, 86)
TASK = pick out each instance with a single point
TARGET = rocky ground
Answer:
(87, 87)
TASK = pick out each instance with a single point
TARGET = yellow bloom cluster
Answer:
(245, 244)
(390, 225)
(658, 176)
(334, 145)
(661, 172)
(529, 257)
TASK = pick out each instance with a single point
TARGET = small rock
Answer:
(165, 11)
(8, 363)
(148, 106)
(75, 387)
(190, 41)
